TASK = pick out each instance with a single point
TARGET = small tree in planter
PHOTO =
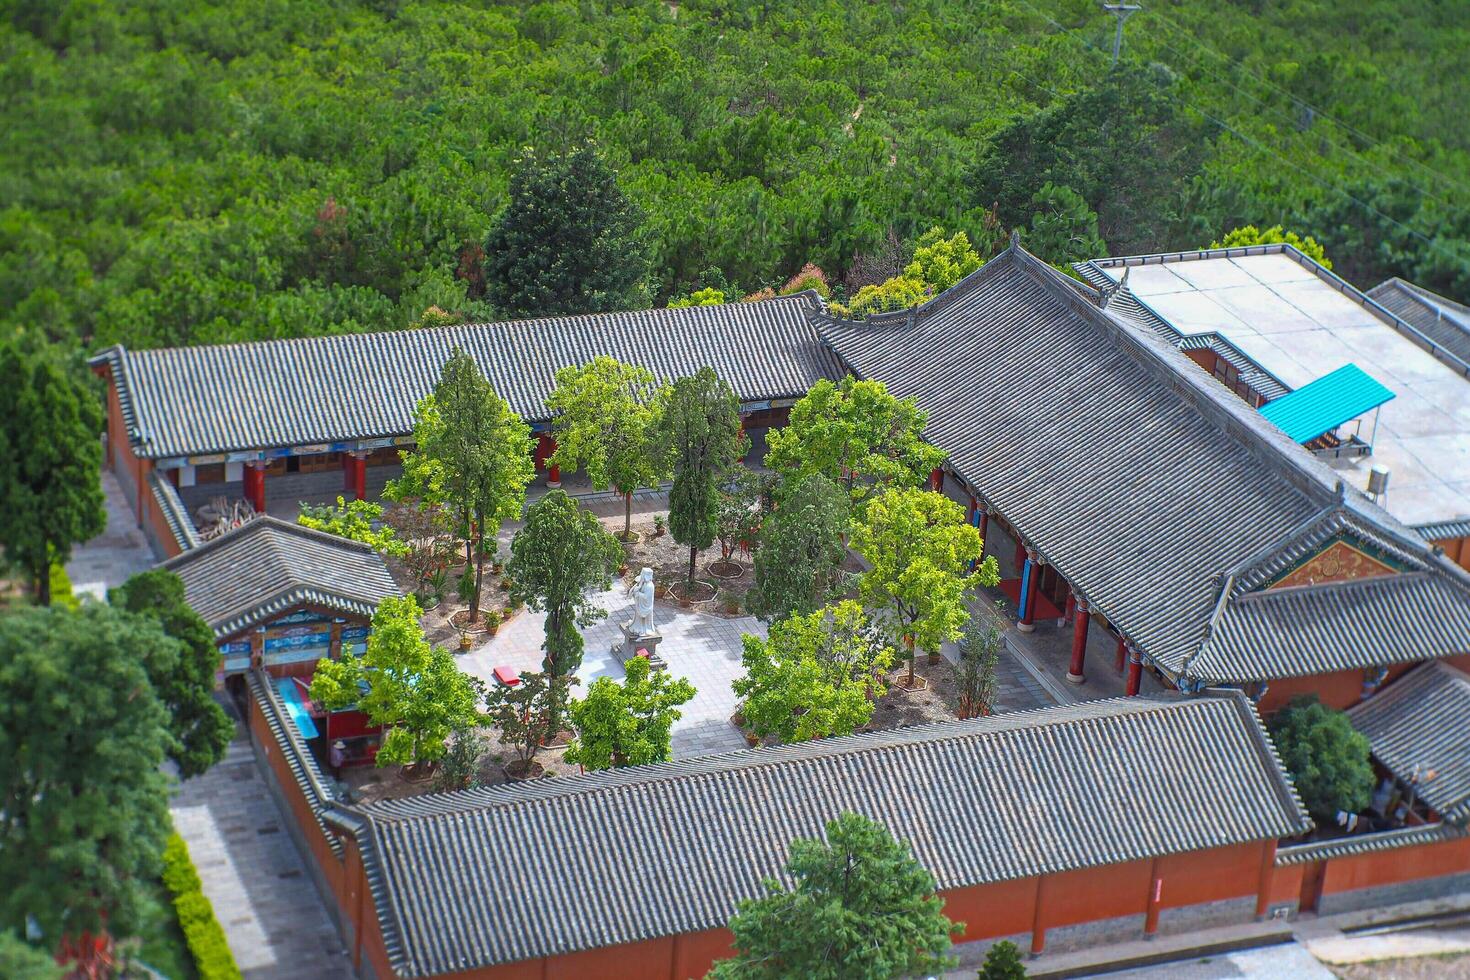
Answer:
(524, 714)
(919, 548)
(975, 676)
(627, 724)
(460, 767)
(415, 691)
(699, 433)
(815, 676)
(424, 529)
(737, 514)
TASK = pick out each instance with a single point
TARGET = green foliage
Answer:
(975, 679)
(61, 593)
(21, 961)
(50, 458)
(604, 416)
(415, 691)
(84, 738)
(567, 241)
(898, 293)
(1003, 962)
(919, 547)
(856, 434)
(817, 675)
(709, 296)
(356, 521)
(460, 767)
(737, 508)
(1063, 227)
(526, 713)
(473, 456)
(861, 908)
(202, 930)
(810, 277)
(941, 262)
(557, 559)
(627, 724)
(798, 564)
(1327, 758)
(201, 729)
(1251, 235)
(699, 433)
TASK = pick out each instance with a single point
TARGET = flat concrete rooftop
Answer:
(1297, 327)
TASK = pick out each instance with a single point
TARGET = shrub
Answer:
(1326, 756)
(810, 277)
(212, 956)
(1003, 962)
(61, 593)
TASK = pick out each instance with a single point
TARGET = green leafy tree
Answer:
(460, 767)
(1251, 235)
(856, 434)
(473, 455)
(21, 961)
(699, 433)
(1003, 962)
(737, 509)
(709, 296)
(356, 520)
(526, 713)
(604, 417)
(861, 908)
(817, 675)
(200, 727)
(1063, 227)
(415, 691)
(940, 262)
(798, 564)
(84, 815)
(628, 724)
(975, 679)
(898, 293)
(919, 547)
(568, 240)
(50, 458)
(558, 558)
(1327, 758)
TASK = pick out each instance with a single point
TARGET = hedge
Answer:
(202, 930)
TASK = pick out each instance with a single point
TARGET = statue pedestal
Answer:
(634, 640)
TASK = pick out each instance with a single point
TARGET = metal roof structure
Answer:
(1142, 480)
(1320, 406)
(194, 401)
(1419, 728)
(632, 854)
(250, 575)
(1291, 320)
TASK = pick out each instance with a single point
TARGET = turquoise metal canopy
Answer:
(1316, 409)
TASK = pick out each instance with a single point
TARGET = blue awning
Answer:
(291, 698)
(1316, 409)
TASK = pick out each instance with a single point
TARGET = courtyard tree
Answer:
(473, 455)
(1003, 962)
(628, 724)
(798, 563)
(356, 520)
(856, 434)
(817, 675)
(84, 815)
(50, 458)
(201, 729)
(860, 907)
(567, 241)
(525, 714)
(604, 415)
(737, 511)
(975, 675)
(919, 549)
(699, 433)
(1327, 758)
(557, 560)
(413, 690)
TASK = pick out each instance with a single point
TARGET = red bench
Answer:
(507, 676)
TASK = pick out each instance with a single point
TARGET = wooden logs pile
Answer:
(220, 515)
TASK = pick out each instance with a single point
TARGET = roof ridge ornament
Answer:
(1105, 294)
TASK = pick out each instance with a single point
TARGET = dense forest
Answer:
(174, 171)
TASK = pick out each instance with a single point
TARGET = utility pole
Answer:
(1122, 11)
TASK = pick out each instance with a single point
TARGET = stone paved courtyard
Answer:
(114, 555)
(702, 648)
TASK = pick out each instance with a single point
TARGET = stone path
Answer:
(114, 555)
(1288, 961)
(702, 648)
(253, 874)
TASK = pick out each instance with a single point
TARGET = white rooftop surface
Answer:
(1298, 328)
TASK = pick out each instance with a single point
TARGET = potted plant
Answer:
(492, 621)
(465, 639)
(658, 525)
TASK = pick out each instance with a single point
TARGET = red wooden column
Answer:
(936, 479)
(1122, 657)
(357, 474)
(1079, 643)
(1135, 669)
(1263, 884)
(1030, 579)
(546, 446)
(255, 485)
(984, 530)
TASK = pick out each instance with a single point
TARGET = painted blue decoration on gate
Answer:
(1025, 586)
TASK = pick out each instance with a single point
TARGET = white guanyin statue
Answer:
(642, 590)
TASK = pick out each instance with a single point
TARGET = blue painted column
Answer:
(1030, 578)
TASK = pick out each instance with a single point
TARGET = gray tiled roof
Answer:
(1141, 479)
(470, 879)
(269, 566)
(308, 391)
(305, 771)
(1366, 843)
(1441, 320)
(175, 514)
(1419, 728)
